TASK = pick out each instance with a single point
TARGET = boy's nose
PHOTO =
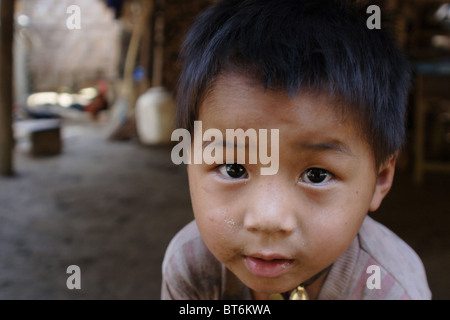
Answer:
(271, 211)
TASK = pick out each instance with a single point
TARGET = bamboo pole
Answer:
(133, 48)
(6, 90)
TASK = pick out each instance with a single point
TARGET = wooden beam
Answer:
(6, 90)
(158, 49)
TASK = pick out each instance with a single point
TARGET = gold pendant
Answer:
(299, 293)
(276, 296)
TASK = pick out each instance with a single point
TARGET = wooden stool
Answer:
(44, 135)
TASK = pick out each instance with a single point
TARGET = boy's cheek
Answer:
(326, 242)
(218, 233)
(217, 216)
(196, 179)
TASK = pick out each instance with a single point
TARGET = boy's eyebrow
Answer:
(336, 146)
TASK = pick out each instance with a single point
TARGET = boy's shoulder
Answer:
(188, 234)
(377, 265)
(402, 274)
(189, 269)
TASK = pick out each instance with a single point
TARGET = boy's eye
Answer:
(316, 176)
(233, 170)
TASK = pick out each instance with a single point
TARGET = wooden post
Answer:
(6, 90)
(158, 49)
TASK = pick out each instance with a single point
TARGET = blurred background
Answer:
(86, 111)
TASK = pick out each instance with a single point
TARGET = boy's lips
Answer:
(268, 266)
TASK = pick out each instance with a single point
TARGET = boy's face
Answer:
(277, 231)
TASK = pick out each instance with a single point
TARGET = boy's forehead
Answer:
(233, 89)
(307, 118)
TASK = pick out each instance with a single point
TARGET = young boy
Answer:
(336, 91)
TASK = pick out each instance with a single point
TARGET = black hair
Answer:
(317, 45)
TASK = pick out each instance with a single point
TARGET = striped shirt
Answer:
(191, 272)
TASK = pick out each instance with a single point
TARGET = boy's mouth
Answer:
(267, 266)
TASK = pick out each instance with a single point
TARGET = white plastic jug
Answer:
(155, 114)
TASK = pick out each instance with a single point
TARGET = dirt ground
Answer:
(111, 208)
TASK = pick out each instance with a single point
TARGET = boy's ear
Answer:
(385, 178)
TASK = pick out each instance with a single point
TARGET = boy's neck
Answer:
(313, 289)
